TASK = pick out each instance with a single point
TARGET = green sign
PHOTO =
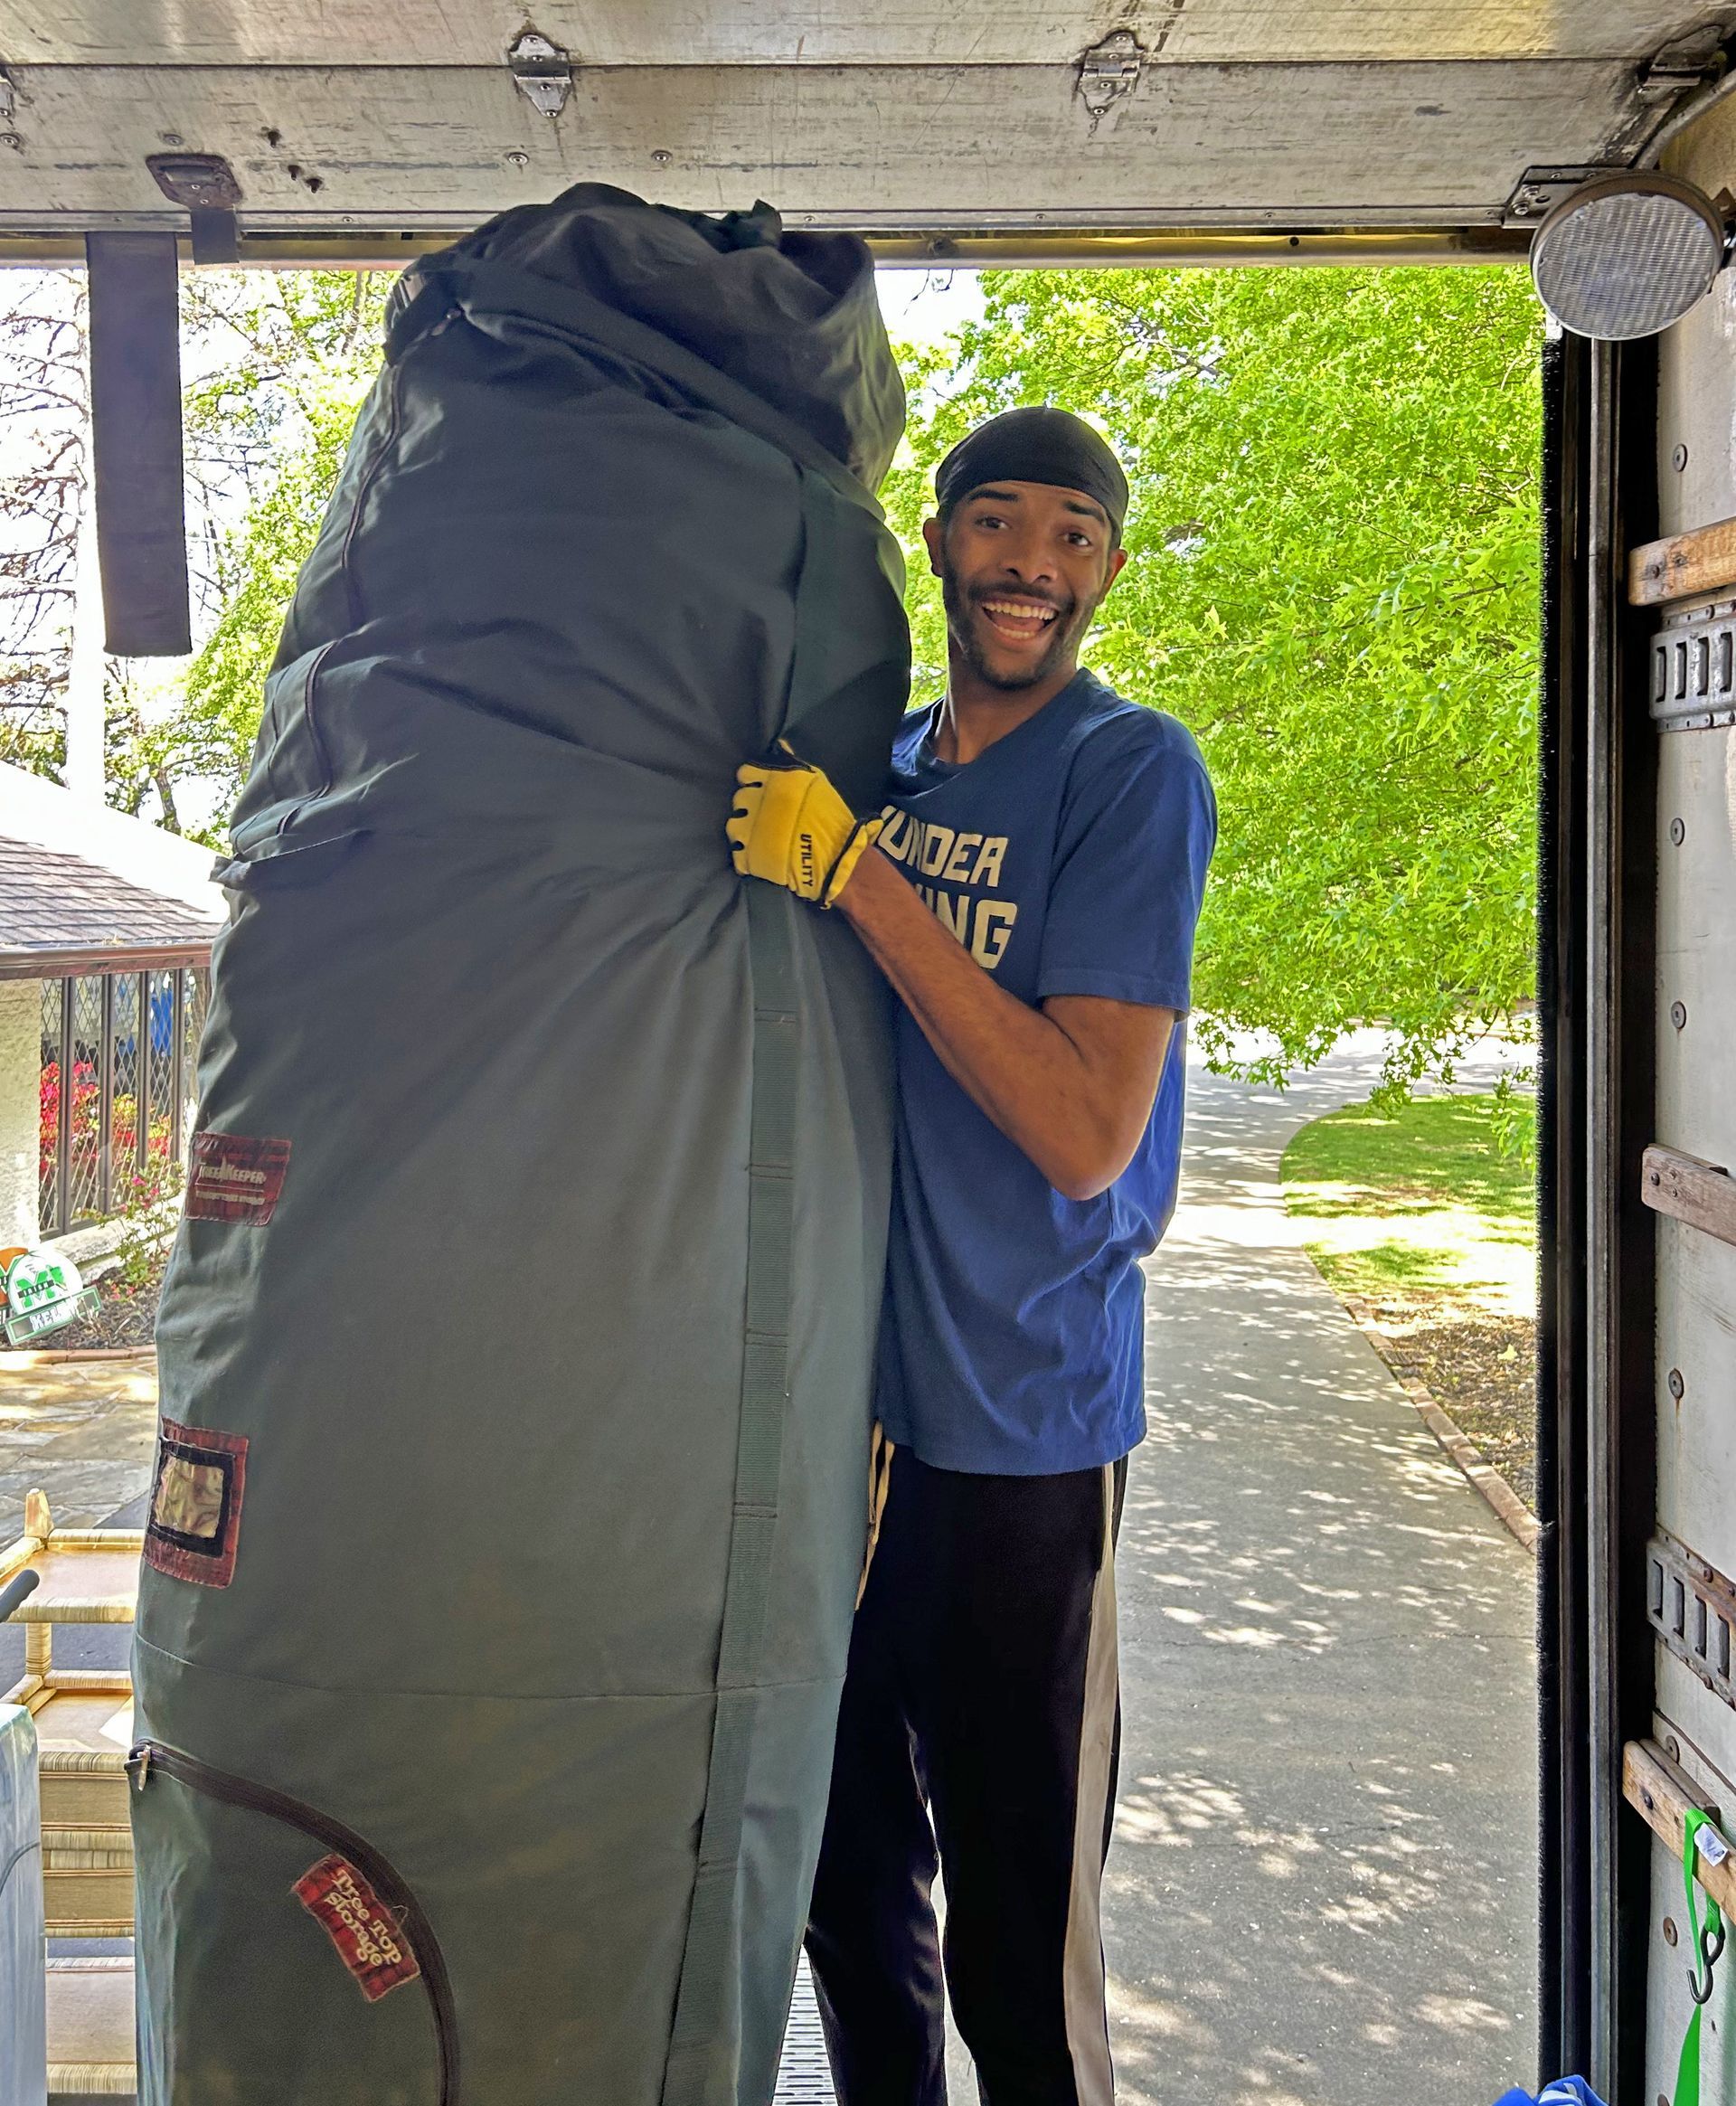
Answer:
(43, 1293)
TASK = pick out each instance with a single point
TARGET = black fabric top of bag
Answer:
(792, 317)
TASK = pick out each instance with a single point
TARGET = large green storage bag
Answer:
(515, 1349)
(23, 2039)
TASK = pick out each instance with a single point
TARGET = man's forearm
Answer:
(1053, 1097)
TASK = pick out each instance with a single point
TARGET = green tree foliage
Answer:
(289, 357)
(43, 411)
(280, 364)
(1333, 580)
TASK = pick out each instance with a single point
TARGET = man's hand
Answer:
(792, 828)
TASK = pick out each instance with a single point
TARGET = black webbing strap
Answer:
(136, 443)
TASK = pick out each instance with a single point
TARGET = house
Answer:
(106, 928)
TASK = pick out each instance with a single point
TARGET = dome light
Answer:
(1626, 255)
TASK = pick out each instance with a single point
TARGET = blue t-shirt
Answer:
(1068, 858)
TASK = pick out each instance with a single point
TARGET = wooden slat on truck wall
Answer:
(1701, 1194)
(1662, 1795)
(1683, 565)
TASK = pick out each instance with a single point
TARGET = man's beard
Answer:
(1067, 627)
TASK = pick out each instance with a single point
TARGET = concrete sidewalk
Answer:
(1321, 1891)
(82, 1431)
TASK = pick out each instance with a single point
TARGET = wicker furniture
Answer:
(83, 1720)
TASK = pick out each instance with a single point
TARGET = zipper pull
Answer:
(140, 1765)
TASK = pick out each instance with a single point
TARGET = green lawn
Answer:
(1417, 1206)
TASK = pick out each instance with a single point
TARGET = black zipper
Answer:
(150, 1756)
(15, 1861)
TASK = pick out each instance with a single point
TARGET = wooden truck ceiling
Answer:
(421, 116)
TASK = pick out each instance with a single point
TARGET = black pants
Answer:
(979, 1733)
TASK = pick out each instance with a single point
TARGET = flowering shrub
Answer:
(158, 1137)
(84, 1114)
(140, 1198)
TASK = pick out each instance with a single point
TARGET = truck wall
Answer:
(1694, 1390)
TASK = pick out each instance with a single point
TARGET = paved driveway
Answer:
(1321, 1889)
(82, 1431)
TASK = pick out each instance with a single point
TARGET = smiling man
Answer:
(1031, 891)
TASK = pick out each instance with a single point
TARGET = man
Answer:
(1031, 893)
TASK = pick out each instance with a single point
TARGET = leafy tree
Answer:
(1333, 544)
(1333, 580)
(43, 414)
(289, 356)
(280, 364)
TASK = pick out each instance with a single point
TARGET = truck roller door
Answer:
(1639, 848)
(1595, 1344)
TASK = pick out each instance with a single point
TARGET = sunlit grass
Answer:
(1417, 1203)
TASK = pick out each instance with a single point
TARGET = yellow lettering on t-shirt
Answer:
(952, 911)
(995, 920)
(958, 861)
(988, 863)
(937, 846)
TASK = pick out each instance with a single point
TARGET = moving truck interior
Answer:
(152, 140)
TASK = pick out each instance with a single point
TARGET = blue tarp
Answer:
(1563, 2091)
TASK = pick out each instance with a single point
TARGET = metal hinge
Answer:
(201, 182)
(1690, 63)
(1540, 188)
(542, 70)
(1107, 75)
(1662, 87)
(205, 183)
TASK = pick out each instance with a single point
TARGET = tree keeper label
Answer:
(235, 1178)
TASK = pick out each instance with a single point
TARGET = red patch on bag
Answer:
(234, 1177)
(195, 1511)
(365, 1933)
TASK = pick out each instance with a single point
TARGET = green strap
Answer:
(705, 2000)
(1687, 2074)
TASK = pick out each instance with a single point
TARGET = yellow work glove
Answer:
(792, 828)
